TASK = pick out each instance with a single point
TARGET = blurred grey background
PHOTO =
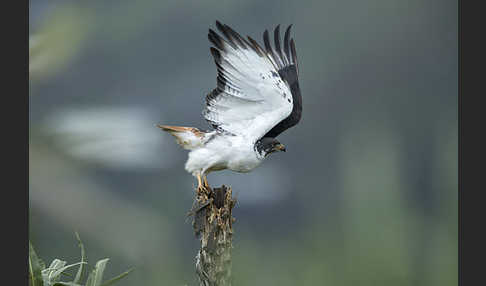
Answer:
(366, 193)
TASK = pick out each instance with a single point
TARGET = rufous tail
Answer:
(188, 137)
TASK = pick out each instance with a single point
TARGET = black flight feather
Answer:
(285, 61)
(286, 44)
(268, 48)
(242, 42)
(215, 39)
(276, 36)
(294, 54)
(216, 55)
(259, 50)
(226, 33)
(289, 74)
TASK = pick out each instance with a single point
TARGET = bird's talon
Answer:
(199, 183)
(205, 183)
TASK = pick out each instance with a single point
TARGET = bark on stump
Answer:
(213, 226)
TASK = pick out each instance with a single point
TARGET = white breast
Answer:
(223, 152)
(244, 157)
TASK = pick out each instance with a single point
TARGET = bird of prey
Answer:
(257, 97)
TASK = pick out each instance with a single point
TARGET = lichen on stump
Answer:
(212, 224)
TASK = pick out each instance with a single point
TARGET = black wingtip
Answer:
(215, 39)
(256, 47)
(294, 54)
(216, 54)
(286, 43)
(266, 41)
(276, 35)
(241, 41)
(224, 29)
(219, 25)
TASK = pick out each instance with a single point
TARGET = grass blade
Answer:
(96, 276)
(115, 279)
(57, 273)
(83, 259)
(35, 268)
(49, 274)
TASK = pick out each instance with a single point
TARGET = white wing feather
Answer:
(251, 97)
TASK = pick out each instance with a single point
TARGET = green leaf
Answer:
(96, 276)
(56, 264)
(35, 268)
(49, 274)
(53, 273)
(115, 279)
(83, 259)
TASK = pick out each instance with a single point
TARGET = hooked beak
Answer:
(280, 147)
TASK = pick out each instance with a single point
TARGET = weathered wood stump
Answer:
(212, 223)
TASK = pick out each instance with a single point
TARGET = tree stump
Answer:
(212, 223)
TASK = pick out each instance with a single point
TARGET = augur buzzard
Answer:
(257, 97)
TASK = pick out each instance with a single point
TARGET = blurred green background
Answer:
(366, 193)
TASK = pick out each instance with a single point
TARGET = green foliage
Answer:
(39, 275)
(36, 265)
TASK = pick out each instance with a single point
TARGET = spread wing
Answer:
(253, 95)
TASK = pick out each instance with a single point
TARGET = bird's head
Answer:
(268, 145)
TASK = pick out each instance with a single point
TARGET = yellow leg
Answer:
(199, 183)
(205, 181)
